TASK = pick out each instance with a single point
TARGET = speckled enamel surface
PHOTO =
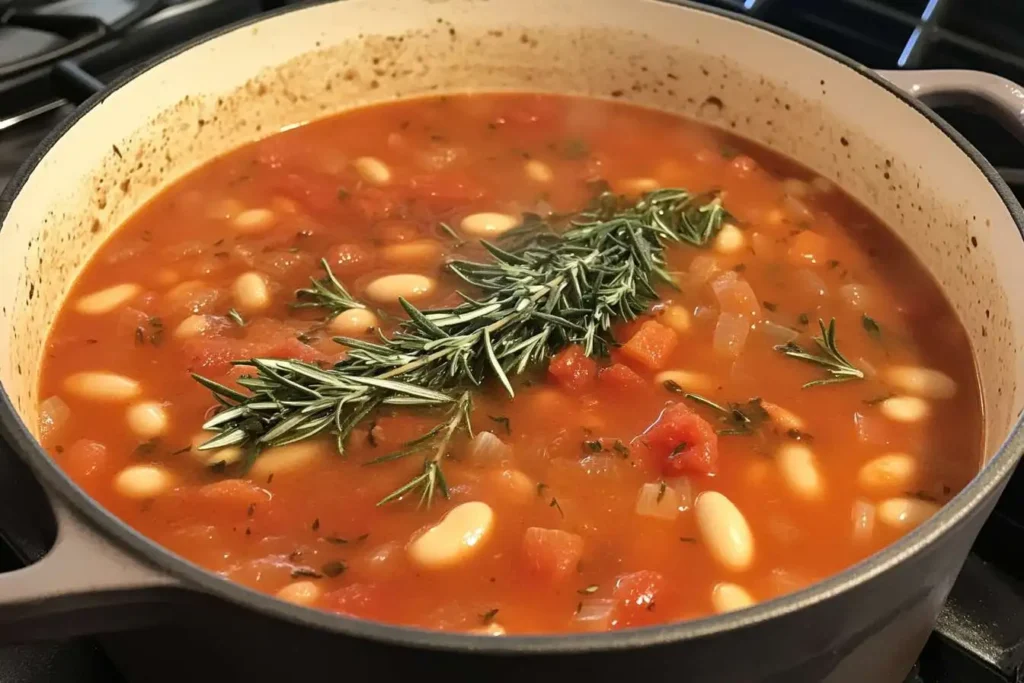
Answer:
(303, 65)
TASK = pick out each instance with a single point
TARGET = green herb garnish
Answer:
(327, 293)
(839, 369)
(236, 317)
(871, 326)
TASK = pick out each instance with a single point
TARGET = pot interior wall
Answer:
(306, 64)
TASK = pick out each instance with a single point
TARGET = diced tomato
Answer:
(355, 599)
(552, 553)
(572, 369)
(317, 193)
(636, 595)
(445, 190)
(682, 442)
(376, 204)
(620, 377)
(651, 346)
(212, 356)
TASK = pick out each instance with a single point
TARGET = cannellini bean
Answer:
(286, 459)
(102, 386)
(676, 317)
(492, 629)
(728, 597)
(147, 419)
(785, 419)
(518, 486)
(923, 382)
(107, 300)
(488, 224)
(538, 171)
(905, 513)
(795, 187)
(888, 473)
(372, 170)
(410, 286)
(729, 240)
(251, 292)
(725, 531)
(142, 481)
(303, 593)
(353, 322)
(637, 185)
(456, 538)
(225, 208)
(254, 220)
(691, 381)
(192, 326)
(800, 471)
(415, 253)
(905, 408)
(227, 455)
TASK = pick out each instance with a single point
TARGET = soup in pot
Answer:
(511, 363)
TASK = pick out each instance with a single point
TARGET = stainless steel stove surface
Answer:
(980, 637)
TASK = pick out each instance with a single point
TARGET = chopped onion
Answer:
(854, 295)
(863, 517)
(53, 415)
(795, 187)
(702, 267)
(487, 449)
(597, 465)
(764, 246)
(595, 614)
(869, 370)
(684, 492)
(796, 209)
(735, 295)
(657, 500)
(704, 313)
(811, 283)
(731, 335)
(779, 334)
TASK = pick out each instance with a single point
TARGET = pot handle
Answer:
(1000, 96)
(84, 585)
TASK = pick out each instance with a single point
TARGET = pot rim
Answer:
(989, 477)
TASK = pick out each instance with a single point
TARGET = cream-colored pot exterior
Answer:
(301, 65)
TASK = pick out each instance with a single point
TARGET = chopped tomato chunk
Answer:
(636, 595)
(572, 368)
(683, 442)
(621, 377)
(651, 345)
(552, 553)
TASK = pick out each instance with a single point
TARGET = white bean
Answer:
(538, 171)
(303, 593)
(784, 418)
(372, 170)
(254, 220)
(226, 455)
(192, 326)
(905, 513)
(690, 381)
(456, 538)
(725, 531)
(225, 208)
(800, 471)
(488, 224)
(491, 629)
(286, 459)
(518, 486)
(107, 300)
(353, 323)
(147, 419)
(729, 240)
(676, 317)
(889, 473)
(251, 292)
(905, 408)
(414, 253)
(923, 382)
(728, 597)
(410, 286)
(142, 481)
(102, 386)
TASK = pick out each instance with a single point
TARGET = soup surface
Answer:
(708, 453)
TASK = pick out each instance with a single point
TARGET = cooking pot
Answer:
(165, 619)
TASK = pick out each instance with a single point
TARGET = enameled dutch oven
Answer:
(165, 619)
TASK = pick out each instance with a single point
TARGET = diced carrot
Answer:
(651, 346)
(808, 247)
(572, 369)
(682, 442)
(621, 377)
(636, 595)
(552, 553)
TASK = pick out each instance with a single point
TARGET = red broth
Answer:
(604, 498)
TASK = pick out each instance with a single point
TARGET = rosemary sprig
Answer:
(327, 293)
(545, 287)
(838, 368)
(740, 419)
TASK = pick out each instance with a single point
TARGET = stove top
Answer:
(979, 639)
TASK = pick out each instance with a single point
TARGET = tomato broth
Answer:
(690, 469)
